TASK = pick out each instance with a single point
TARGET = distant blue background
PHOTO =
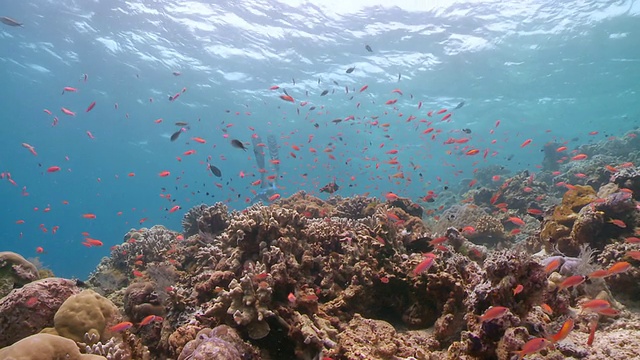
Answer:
(568, 67)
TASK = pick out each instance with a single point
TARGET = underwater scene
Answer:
(320, 180)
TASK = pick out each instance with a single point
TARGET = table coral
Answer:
(29, 309)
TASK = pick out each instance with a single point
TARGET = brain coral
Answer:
(86, 312)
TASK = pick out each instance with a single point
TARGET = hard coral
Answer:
(45, 347)
(15, 271)
(31, 308)
(86, 312)
(220, 343)
(214, 219)
(142, 299)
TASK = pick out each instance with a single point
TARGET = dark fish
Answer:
(466, 131)
(9, 21)
(293, 81)
(336, 120)
(335, 82)
(459, 105)
(175, 135)
(318, 81)
(285, 92)
(238, 144)
(312, 108)
(368, 48)
(316, 125)
(181, 123)
(399, 76)
(215, 170)
(324, 93)
(350, 70)
(330, 188)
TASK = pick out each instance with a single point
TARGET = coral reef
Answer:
(31, 308)
(84, 313)
(221, 342)
(15, 271)
(45, 347)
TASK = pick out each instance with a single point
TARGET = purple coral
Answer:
(222, 343)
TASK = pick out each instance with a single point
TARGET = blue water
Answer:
(547, 70)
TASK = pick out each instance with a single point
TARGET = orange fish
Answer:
(634, 254)
(525, 143)
(533, 346)
(391, 196)
(199, 140)
(618, 223)
(493, 312)
(164, 173)
(53, 169)
(89, 216)
(472, 152)
(574, 280)
(121, 326)
(287, 98)
(516, 220)
(595, 305)
(518, 289)
(599, 274)
(563, 332)
(619, 268)
(424, 264)
(579, 157)
(149, 319)
(561, 149)
(274, 197)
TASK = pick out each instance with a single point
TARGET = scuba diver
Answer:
(268, 188)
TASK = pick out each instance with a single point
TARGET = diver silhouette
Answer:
(267, 188)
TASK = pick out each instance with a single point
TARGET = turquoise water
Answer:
(549, 71)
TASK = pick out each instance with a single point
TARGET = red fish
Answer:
(493, 312)
(525, 143)
(574, 280)
(89, 216)
(287, 98)
(274, 197)
(618, 223)
(68, 112)
(579, 157)
(619, 268)
(424, 264)
(174, 209)
(121, 326)
(91, 106)
(364, 88)
(164, 173)
(563, 332)
(149, 319)
(533, 346)
(30, 148)
(53, 169)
